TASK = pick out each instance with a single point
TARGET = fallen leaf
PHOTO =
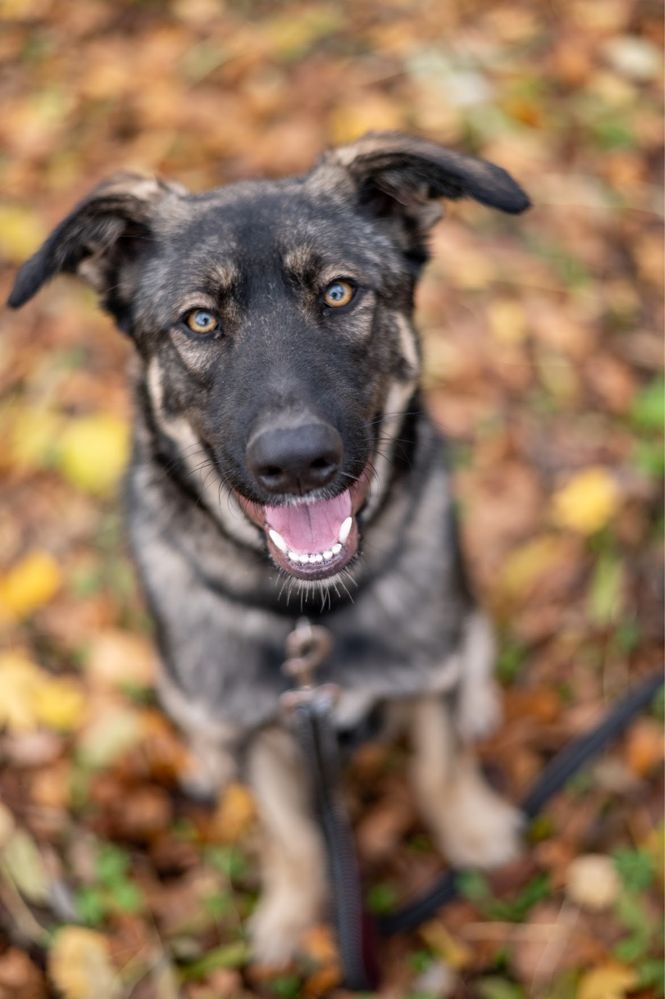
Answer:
(80, 965)
(18, 680)
(118, 658)
(234, 814)
(21, 232)
(93, 451)
(29, 697)
(644, 746)
(592, 881)
(351, 120)
(31, 583)
(587, 502)
(527, 563)
(609, 981)
(23, 862)
(59, 703)
(19, 977)
(109, 735)
(452, 951)
(507, 321)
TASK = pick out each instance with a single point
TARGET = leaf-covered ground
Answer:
(543, 352)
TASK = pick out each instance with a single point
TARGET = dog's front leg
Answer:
(293, 859)
(471, 824)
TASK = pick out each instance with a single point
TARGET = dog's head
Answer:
(273, 322)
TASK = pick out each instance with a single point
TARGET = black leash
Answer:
(310, 711)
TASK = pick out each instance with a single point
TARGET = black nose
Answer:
(295, 459)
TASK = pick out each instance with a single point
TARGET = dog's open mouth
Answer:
(312, 538)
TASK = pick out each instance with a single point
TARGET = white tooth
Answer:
(317, 558)
(336, 549)
(345, 529)
(277, 540)
(303, 559)
(327, 555)
(293, 556)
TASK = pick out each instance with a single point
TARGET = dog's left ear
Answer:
(397, 174)
(105, 230)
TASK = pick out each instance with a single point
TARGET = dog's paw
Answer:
(480, 829)
(275, 931)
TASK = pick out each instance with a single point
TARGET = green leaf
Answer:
(649, 457)
(604, 602)
(112, 864)
(421, 960)
(232, 955)
(631, 949)
(287, 985)
(648, 409)
(219, 904)
(510, 661)
(127, 897)
(473, 886)
(613, 134)
(381, 898)
(91, 905)
(230, 860)
(636, 868)
(498, 988)
(652, 975)
(515, 910)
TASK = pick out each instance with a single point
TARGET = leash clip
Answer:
(307, 648)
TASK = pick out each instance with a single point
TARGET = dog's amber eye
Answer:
(202, 321)
(338, 294)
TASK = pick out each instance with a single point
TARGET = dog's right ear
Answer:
(105, 230)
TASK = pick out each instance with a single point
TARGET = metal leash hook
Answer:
(307, 647)
(309, 712)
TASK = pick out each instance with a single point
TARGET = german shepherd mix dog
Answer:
(283, 464)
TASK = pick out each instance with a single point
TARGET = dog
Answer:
(283, 464)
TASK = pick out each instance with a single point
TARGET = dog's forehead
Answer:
(254, 221)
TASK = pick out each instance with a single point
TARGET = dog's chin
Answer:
(311, 538)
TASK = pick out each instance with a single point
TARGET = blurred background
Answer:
(543, 359)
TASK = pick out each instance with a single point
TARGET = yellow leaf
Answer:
(59, 704)
(21, 232)
(527, 563)
(93, 452)
(19, 679)
(30, 583)
(29, 697)
(453, 952)
(507, 321)
(609, 981)
(80, 965)
(587, 502)
(33, 436)
(373, 113)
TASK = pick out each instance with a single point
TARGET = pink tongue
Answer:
(310, 527)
